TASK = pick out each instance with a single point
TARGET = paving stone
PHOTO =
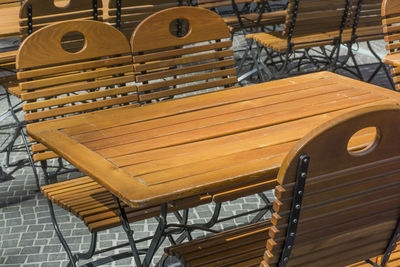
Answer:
(51, 264)
(15, 259)
(9, 243)
(37, 258)
(12, 251)
(30, 250)
(51, 248)
(40, 242)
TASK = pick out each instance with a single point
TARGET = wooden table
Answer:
(204, 144)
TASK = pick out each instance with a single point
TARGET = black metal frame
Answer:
(19, 131)
(95, 8)
(389, 249)
(298, 193)
(29, 15)
(118, 15)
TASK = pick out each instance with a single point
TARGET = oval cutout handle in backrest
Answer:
(327, 144)
(43, 47)
(47, 7)
(154, 32)
(390, 7)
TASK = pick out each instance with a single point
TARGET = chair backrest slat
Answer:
(350, 203)
(59, 83)
(172, 65)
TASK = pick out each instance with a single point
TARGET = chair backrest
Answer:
(127, 14)
(35, 14)
(350, 203)
(56, 83)
(368, 26)
(166, 65)
(312, 17)
(391, 29)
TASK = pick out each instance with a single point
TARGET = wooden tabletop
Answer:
(203, 144)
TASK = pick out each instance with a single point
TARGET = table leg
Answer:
(158, 237)
(129, 232)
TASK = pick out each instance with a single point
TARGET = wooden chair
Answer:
(55, 85)
(196, 58)
(390, 21)
(252, 13)
(334, 206)
(35, 14)
(126, 15)
(365, 25)
(308, 24)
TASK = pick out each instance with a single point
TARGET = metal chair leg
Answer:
(129, 232)
(21, 126)
(92, 249)
(158, 237)
(71, 257)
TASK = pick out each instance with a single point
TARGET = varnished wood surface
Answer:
(9, 20)
(203, 144)
(393, 60)
(159, 25)
(100, 40)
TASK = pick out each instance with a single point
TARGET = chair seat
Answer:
(392, 60)
(278, 42)
(95, 206)
(8, 57)
(13, 89)
(243, 246)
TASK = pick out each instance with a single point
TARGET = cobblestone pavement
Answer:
(27, 237)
